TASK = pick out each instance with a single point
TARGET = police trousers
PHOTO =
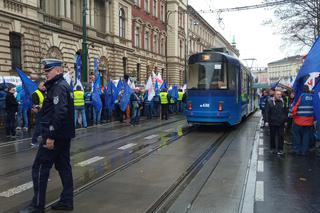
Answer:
(164, 111)
(60, 157)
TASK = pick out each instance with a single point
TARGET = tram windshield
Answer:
(207, 76)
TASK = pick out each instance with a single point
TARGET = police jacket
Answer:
(37, 99)
(276, 113)
(11, 103)
(57, 113)
(302, 111)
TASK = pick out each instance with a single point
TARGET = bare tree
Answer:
(298, 21)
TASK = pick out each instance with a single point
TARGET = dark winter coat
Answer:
(276, 113)
(11, 103)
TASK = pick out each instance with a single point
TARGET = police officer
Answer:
(180, 97)
(37, 102)
(164, 101)
(303, 121)
(57, 125)
(79, 106)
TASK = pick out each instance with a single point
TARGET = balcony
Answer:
(52, 20)
(13, 6)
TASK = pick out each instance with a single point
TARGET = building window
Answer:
(125, 65)
(146, 40)
(137, 37)
(181, 48)
(42, 5)
(162, 46)
(137, 3)
(138, 72)
(155, 8)
(162, 13)
(15, 47)
(122, 23)
(155, 43)
(146, 5)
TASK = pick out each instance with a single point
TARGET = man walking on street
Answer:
(262, 105)
(276, 117)
(57, 125)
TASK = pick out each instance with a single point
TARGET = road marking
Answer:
(17, 190)
(168, 130)
(129, 145)
(261, 151)
(249, 191)
(151, 137)
(259, 191)
(261, 142)
(89, 161)
(260, 167)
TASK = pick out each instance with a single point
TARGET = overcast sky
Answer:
(254, 40)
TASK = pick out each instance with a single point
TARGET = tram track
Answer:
(2, 156)
(87, 149)
(163, 203)
(158, 145)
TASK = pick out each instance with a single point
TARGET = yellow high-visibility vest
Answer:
(163, 97)
(40, 96)
(180, 96)
(78, 98)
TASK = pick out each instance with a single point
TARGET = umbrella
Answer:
(5, 85)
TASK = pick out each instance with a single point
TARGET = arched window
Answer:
(137, 37)
(146, 41)
(155, 43)
(122, 23)
(146, 5)
(155, 8)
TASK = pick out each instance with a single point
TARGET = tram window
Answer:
(231, 76)
(207, 76)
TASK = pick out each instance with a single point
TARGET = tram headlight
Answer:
(220, 106)
(190, 105)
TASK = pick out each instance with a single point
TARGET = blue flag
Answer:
(96, 67)
(175, 93)
(120, 85)
(156, 88)
(29, 88)
(96, 99)
(78, 67)
(275, 84)
(110, 90)
(316, 102)
(126, 97)
(164, 85)
(310, 65)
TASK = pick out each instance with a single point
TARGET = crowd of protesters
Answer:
(17, 118)
(290, 120)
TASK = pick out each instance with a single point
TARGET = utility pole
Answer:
(84, 42)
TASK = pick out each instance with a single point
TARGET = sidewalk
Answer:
(290, 183)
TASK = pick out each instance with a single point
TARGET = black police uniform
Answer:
(57, 122)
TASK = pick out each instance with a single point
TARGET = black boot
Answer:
(62, 206)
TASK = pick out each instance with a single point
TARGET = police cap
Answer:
(50, 63)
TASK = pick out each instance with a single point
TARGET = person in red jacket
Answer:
(303, 122)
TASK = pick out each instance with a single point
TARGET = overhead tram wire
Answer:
(249, 7)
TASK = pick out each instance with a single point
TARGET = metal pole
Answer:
(186, 49)
(84, 42)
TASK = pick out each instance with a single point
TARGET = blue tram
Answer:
(220, 89)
